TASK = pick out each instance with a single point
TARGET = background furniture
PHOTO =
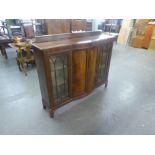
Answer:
(20, 27)
(132, 31)
(143, 34)
(4, 41)
(55, 26)
(70, 66)
(79, 24)
(137, 41)
(152, 42)
(24, 55)
(89, 25)
(3, 30)
(30, 28)
(125, 32)
(40, 27)
(148, 34)
(16, 30)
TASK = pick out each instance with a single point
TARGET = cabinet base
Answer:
(44, 107)
(51, 113)
(106, 84)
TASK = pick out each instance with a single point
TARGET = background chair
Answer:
(25, 57)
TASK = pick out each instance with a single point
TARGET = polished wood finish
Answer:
(63, 37)
(68, 66)
(78, 72)
(42, 74)
(91, 68)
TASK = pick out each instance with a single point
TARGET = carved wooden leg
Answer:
(51, 113)
(106, 83)
(44, 107)
(24, 68)
(18, 63)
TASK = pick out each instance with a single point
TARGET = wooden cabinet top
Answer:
(69, 40)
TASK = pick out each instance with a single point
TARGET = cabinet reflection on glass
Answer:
(59, 74)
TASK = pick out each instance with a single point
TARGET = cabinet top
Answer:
(69, 39)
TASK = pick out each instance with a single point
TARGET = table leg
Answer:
(5, 54)
(3, 51)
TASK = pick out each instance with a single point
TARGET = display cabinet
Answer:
(71, 66)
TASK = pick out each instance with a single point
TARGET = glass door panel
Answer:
(59, 73)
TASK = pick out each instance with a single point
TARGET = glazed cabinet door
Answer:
(60, 76)
(78, 72)
(91, 68)
(102, 63)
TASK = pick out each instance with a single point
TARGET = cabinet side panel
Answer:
(109, 50)
(91, 56)
(42, 79)
(78, 72)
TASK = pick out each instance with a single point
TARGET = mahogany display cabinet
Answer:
(71, 66)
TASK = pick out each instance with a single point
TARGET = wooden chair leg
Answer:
(18, 63)
(24, 68)
(27, 64)
(22, 65)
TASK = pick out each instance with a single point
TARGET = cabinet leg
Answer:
(51, 113)
(44, 107)
(18, 63)
(106, 84)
